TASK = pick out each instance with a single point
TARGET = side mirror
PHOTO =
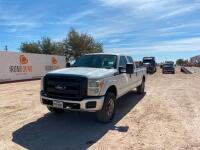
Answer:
(130, 68)
(122, 70)
(68, 65)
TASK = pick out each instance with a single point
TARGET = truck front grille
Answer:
(65, 87)
(168, 68)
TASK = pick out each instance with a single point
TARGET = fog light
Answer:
(91, 104)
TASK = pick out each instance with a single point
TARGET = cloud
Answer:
(180, 26)
(158, 9)
(137, 6)
(182, 10)
(142, 4)
(182, 45)
(74, 18)
(115, 41)
(139, 28)
(132, 26)
(108, 31)
(20, 23)
(14, 20)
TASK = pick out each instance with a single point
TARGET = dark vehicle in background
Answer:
(169, 62)
(150, 64)
(161, 65)
(168, 67)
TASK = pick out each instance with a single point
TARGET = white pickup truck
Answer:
(93, 84)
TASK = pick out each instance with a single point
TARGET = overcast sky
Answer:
(167, 29)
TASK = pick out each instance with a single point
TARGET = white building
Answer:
(195, 60)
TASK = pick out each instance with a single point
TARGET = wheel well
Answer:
(113, 90)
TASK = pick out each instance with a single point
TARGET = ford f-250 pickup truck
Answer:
(168, 67)
(93, 84)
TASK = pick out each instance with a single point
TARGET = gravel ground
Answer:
(166, 117)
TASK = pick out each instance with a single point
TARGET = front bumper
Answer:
(150, 70)
(169, 70)
(90, 104)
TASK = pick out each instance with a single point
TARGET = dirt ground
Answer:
(166, 117)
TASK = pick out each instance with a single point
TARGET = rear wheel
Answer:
(107, 113)
(55, 110)
(141, 88)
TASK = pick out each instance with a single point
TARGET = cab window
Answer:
(123, 61)
(130, 59)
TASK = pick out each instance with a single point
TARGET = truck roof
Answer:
(148, 57)
(117, 54)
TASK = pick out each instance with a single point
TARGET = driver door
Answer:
(123, 78)
(135, 77)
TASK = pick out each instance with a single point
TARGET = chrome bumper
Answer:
(99, 103)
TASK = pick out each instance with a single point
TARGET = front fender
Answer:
(108, 82)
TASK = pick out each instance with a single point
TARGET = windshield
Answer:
(147, 61)
(168, 65)
(97, 61)
(169, 62)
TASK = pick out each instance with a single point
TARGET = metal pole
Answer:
(6, 48)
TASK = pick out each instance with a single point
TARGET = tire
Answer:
(55, 110)
(140, 89)
(106, 114)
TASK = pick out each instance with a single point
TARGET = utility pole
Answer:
(6, 48)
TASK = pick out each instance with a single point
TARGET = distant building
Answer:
(195, 60)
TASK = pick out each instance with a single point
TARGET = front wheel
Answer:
(140, 89)
(107, 113)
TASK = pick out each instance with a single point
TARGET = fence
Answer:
(24, 66)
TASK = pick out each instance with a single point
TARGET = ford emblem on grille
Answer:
(60, 87)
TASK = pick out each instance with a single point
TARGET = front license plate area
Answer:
(58, 104)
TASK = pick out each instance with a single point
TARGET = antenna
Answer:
(6, 48)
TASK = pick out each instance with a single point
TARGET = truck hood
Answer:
(90, 73)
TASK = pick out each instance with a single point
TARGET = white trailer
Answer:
(25, 66)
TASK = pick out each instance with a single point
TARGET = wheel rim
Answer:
(110, 108)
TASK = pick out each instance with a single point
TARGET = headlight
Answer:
(95, 83)
(94, 87)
